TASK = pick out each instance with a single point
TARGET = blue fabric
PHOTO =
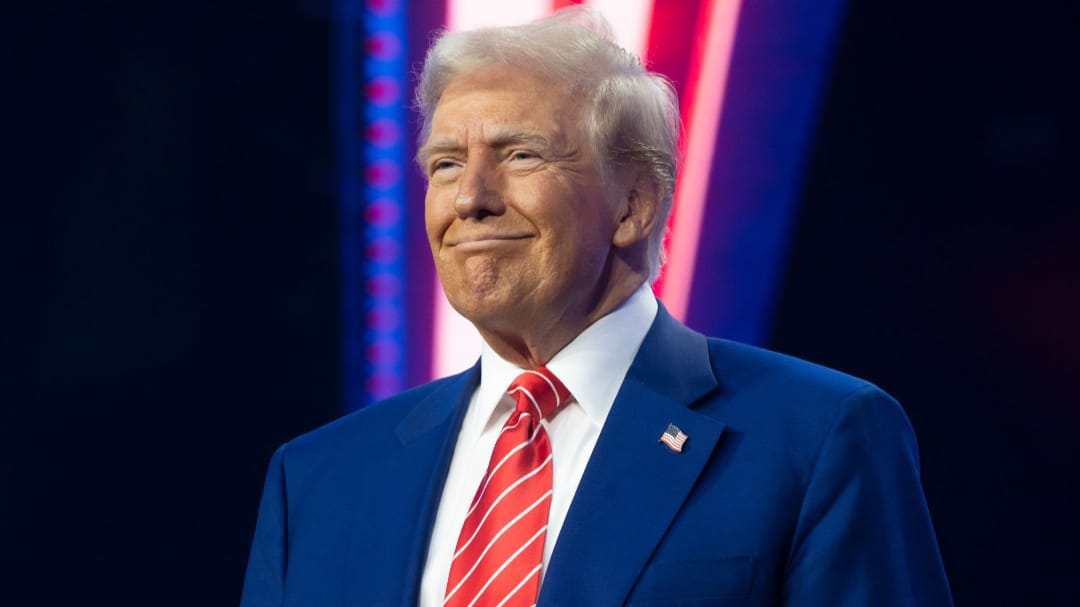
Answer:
(798, 485)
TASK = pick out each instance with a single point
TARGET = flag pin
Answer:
(673, 438)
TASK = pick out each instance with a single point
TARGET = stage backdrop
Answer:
(892, 191)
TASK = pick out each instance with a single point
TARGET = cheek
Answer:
(436, 218)
(591, 224)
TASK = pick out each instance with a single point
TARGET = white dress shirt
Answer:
(592, 368)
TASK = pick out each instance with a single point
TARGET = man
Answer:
(630, 461)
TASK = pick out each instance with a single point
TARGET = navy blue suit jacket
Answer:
(798, 486)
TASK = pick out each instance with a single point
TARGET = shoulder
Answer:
(379, 425)
(796, 404)
(833, 459)
(786, 402)
(741, 368)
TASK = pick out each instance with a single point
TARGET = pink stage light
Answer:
(630, 21)
(471, 14)
(704, 104)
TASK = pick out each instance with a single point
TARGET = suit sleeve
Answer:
(864, 535)
(265, 579)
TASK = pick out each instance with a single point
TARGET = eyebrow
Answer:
(499, 138)
(506, 137)
(437, 145)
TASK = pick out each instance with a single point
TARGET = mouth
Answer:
(475, 241)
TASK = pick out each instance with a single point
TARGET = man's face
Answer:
(519, 221)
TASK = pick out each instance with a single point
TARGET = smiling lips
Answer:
(481, 240)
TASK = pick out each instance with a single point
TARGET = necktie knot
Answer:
(538, 391)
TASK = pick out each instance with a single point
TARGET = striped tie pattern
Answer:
(499, 554)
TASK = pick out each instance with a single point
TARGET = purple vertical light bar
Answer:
(370, 116)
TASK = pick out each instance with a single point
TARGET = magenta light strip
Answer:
(630, 20)
(708, 81)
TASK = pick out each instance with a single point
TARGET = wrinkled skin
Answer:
(530, 242)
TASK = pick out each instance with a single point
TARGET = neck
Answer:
(538, 341)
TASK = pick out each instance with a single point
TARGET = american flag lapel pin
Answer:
(673, 438)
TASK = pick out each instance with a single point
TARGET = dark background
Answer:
(171, 282)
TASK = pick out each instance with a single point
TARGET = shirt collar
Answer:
(592, 366)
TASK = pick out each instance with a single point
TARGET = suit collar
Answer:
(674, 361)
(428, 416)
(427, 436)
(634, 482)
(448, 402)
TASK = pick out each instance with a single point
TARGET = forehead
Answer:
(500, 98)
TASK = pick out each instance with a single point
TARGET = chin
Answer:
(478, 306)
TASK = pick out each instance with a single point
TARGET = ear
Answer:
(639, 208)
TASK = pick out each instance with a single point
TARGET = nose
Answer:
(479, 192)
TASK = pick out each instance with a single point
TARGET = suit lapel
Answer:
(417, 471)
(415, 430)
(634, 485)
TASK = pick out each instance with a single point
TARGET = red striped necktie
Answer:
(500, 551)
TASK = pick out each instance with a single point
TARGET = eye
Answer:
(523, 155)
(442, 164)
